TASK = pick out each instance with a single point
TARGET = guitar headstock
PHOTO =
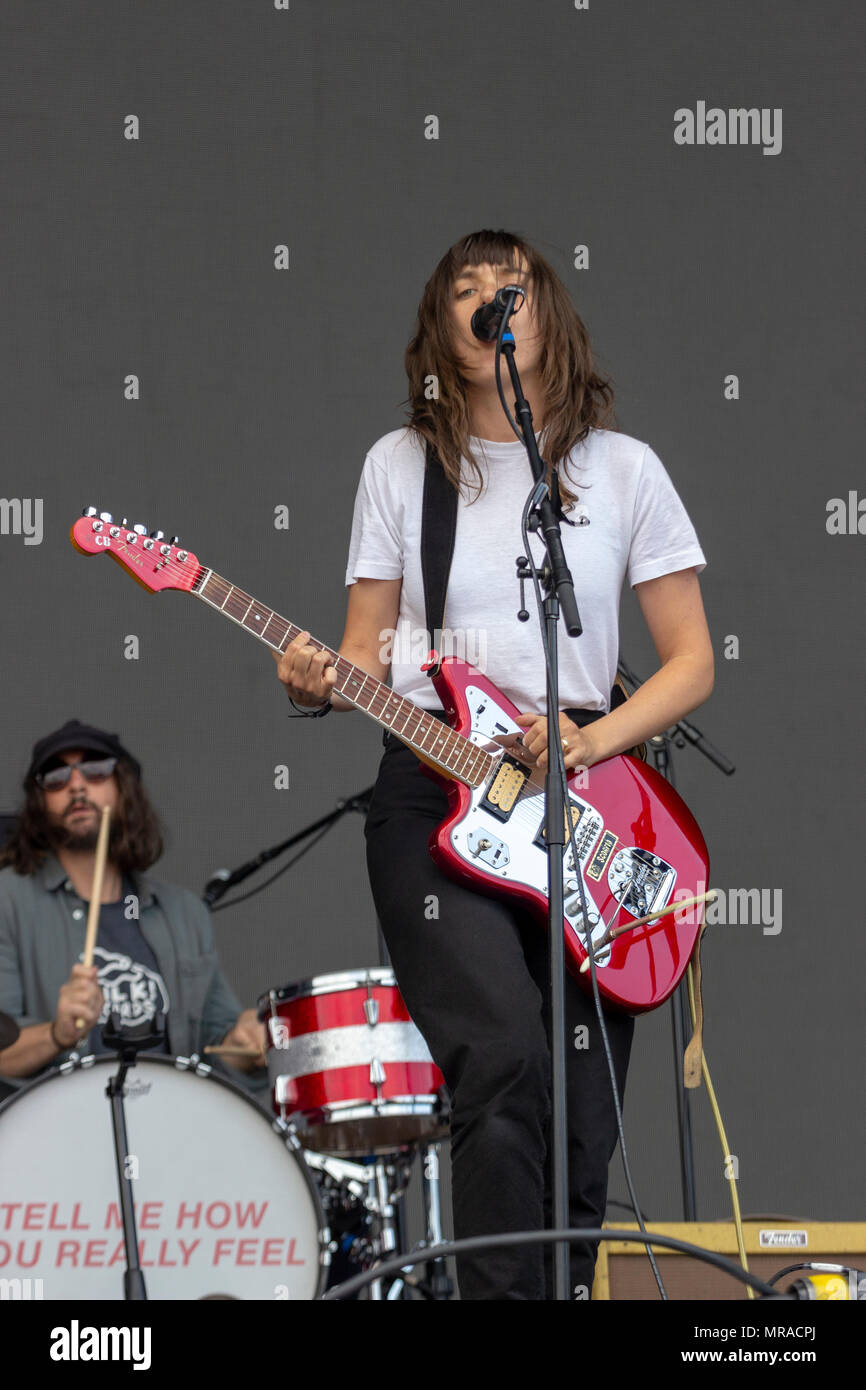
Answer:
(156, 563)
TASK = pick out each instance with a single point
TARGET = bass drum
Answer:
(225, 1205)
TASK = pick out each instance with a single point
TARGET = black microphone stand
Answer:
(128, 1042)
(559, 589)
(225, 879)
(660, 746)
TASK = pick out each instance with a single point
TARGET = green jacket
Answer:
(42, 928)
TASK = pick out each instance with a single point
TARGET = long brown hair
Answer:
(135, 839)
(577, 397)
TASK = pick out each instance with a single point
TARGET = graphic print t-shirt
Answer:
(129, 974)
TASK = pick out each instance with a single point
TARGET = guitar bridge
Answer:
(642, 881)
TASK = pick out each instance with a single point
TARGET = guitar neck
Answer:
(448, 751)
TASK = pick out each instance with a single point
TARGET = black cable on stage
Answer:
(396, 1263)
(626, 1206)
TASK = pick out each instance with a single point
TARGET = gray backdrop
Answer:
(260, 387)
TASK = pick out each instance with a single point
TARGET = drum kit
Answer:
(229, 1203)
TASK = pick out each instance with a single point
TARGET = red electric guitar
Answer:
(637, 841)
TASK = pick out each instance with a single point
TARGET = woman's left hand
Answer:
(576, 743)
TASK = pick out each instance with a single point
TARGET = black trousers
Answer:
(473, 971)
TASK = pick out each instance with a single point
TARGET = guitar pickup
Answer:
(504, 791)
(577, 811)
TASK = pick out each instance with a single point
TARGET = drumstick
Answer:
(236, 1051)
(96, 893)
(650, 917)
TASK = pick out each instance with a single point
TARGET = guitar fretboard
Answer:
(451, 752)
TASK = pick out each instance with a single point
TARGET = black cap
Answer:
(74, 734)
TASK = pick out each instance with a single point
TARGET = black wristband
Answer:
(310, 713)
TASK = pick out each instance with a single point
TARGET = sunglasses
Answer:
(95, 770)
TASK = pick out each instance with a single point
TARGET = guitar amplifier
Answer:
(623, 1270)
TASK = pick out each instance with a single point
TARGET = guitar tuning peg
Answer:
(90, 511)
(174, 540)
(124, 523)
(157, 535)
(140, 529)
(106, 517)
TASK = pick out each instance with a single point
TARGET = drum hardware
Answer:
(75, 1062)
(382, 1195)
(440, 1283)
(128, 1042)
(363, 1206)
(193, 1063)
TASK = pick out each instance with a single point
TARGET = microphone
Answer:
(216, 886)
(486, 320)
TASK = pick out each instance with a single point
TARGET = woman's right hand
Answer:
(307, 673)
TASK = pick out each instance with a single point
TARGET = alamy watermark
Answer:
(744, 907)
(22, 516)
(737, 126)
(407, 645)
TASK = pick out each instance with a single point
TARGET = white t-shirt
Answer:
(634, 524)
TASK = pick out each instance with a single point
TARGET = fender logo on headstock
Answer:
(134, 555)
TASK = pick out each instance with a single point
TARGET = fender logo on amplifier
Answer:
(797, 1240)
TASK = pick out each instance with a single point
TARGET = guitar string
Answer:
(192, 572)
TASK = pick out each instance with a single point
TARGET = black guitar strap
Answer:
(438, 530)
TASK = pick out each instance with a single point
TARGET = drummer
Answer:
(154, 952)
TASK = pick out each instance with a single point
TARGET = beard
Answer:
(64, 833)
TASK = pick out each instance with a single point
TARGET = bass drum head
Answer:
(224, 1205)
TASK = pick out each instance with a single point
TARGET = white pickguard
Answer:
(506, 850)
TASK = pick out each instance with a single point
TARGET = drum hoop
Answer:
(374, 977)
(338, 1110)
(205, 1072)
